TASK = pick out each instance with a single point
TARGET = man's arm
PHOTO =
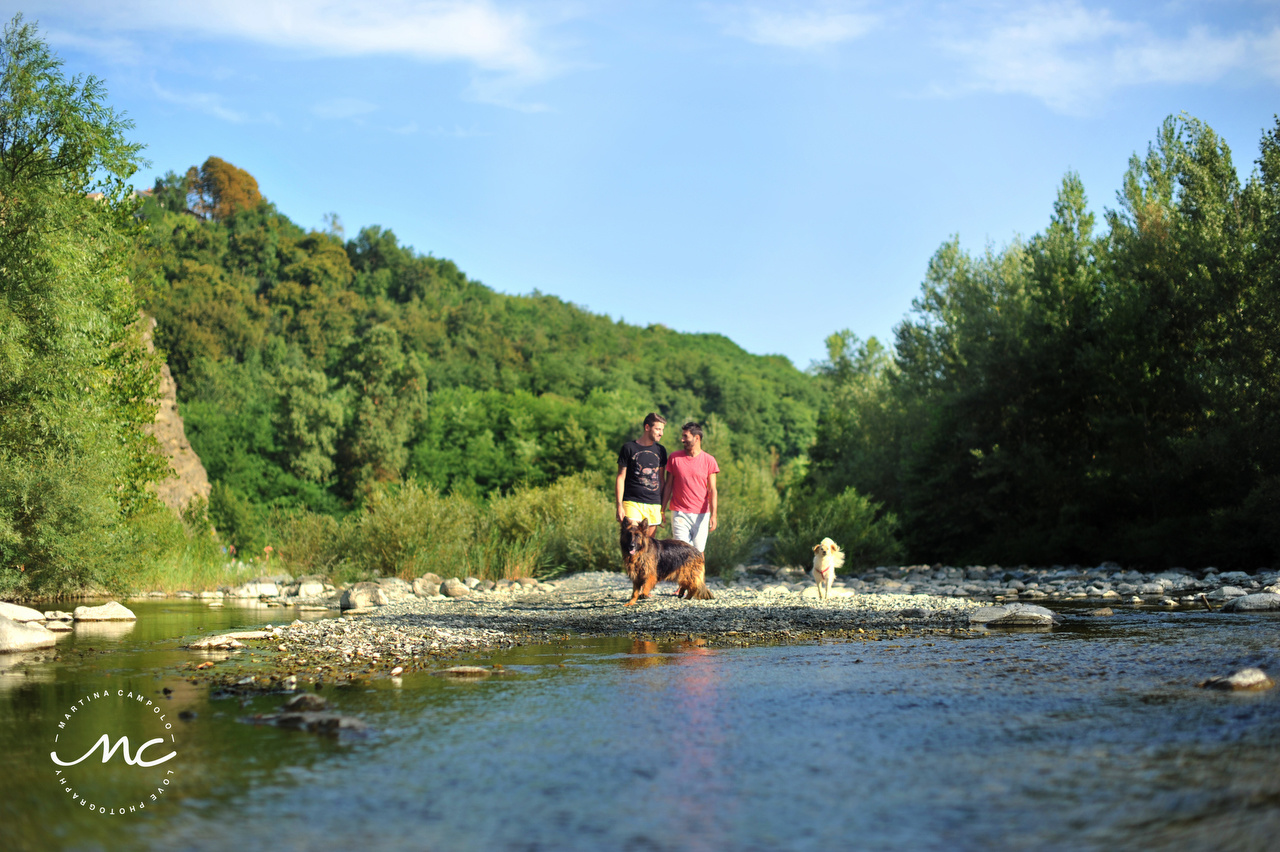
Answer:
(618, 486)
(715, 500)
(666, 491)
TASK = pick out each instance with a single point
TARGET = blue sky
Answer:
(772, 171)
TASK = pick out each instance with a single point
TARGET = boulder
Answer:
(454, 588)
(109, 611)
(426, 588)
(1013, 615)
(59, 626)
(310, 587)
(395, 586)
(20, 636)
(1226, 593)
(18, 612)
(472, 582)
(1260, 602)
(363, 595)
(260, 587)
(916, 612)
(56, 615)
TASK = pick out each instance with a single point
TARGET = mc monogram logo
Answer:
(125, 780)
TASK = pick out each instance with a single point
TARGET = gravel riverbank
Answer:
(387, 626)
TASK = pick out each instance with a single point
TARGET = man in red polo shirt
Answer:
(690, 492)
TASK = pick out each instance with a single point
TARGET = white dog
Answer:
(827, 557)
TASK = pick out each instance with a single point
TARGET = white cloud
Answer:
(1071, 57)
(339, 108)
(807, 28)
(472, 31)
(201, 102)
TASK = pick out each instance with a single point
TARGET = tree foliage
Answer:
(1086, 395)
(76, 384)
(310, 368)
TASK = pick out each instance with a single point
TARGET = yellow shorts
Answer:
(651, 512)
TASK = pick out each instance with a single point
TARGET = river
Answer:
(1092, 736)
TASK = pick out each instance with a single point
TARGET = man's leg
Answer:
(701, 526)
(691, 527)
(682, 526)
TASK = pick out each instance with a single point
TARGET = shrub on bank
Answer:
(851, 520)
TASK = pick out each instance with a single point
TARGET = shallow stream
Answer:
(1092, 736)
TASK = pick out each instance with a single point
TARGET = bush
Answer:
(850, 520)
(408, 530)
(570, 525)
(747, 511)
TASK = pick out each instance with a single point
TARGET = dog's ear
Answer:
(644, 524)
(817, 548)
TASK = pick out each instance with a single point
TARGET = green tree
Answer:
(75, 383)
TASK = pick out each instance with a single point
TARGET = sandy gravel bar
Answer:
(416, 634)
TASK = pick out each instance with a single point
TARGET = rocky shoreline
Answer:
(393, 626)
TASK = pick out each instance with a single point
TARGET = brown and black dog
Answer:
(650, 560)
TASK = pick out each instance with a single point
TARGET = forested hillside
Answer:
(311, 368)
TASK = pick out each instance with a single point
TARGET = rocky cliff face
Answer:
(189, 479)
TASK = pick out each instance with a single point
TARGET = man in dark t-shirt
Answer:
(641, 466)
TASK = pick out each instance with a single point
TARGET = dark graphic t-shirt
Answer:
(643, 465)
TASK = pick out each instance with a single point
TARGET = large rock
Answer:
(363, 595)
(1260, 602)
(310, 587)
(424, 587)
(187, 477)
(454, 588)
(395, 586)
(110, 611)
(1226, 593)
(17, 636)
(18, 612)
(1014, 615)
(257, 588)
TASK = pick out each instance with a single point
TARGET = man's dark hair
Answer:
(654, 418)
(692, 428)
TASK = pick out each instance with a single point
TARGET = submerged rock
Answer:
(464, 671)
(109, 611)
(1260, 602)
(216, 643)
(19, 636)
(1014, 615)
(1245, 679)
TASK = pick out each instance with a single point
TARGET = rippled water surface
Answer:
(1094, 736)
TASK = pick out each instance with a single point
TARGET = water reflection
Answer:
(110, 630)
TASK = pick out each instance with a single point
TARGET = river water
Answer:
(1092, 736)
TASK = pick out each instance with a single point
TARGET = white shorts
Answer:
(691, 527)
